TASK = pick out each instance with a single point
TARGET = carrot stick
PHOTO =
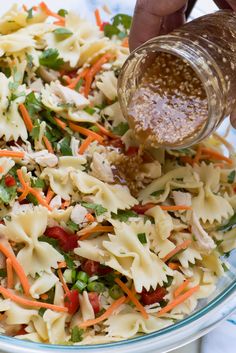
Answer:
(181, 288)
(62, 264)
(85, 144)
(178, 300)
(48, 144)
(216, 155)
(175, 208)
(12, 154)
(50, 195)
(42, 201)
(49, 12)
(17, 267)
(90, 217)
(86, 132)
(94, 70)
(104, 229)
(178, 248)
(98, 18)
(174, 266)
(104, 131)
(21, 178)
(44, 296)
(115, 305)
(10, 277)
(23, 195)
(187, 160)
(60, 123)
(132, 298)
(82, 74)
(64, 285)
(26, 117)
(198, 155)
(65, 204)
(31, 303)
(60, 23)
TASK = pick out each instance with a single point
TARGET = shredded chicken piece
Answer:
(45, 159)
(56, 202)
(78, 214)
(101, 168)
(182, 198)
(203, 238)
(48, 75)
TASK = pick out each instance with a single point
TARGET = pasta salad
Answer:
(100, 239)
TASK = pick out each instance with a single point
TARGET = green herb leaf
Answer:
(33, 104)
(79, 84)
(32, 199)
(38, 183)
(16, 81)
(3, 273)
(124, 215)
(65, 146)
(120, 129)
(231, 223)
(89, 110)
(35, 132)
(72, 226)
(30, 14)
(99, 209)
(62, 33)
(50, 58)
(231, 177)
(157, 193)
(142, 238)
(69, 262)
(51, 241)
(7, 193)
(76, 334)
(225, 267)
(42, 311)
(120, 26)
(62, 12)
(169, 281)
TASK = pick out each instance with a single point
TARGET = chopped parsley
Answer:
(76, 334)
(42, 311)
(124, 215)
(142, 238)
(157, 193)
(120, 129)
(72, 226)
(3, 273)
(231, 224)
(119, 27)
(33, 104)
(99, 209)
(7, 193)
(51, 241)
(64, 146)
(30, 13)
(231, 177)
(38, 183)
(62, 12)
(62, 33)
(89, 110)
(50, 58)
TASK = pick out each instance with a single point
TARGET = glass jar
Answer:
(208, 45)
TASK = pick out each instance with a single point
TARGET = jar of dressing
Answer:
(176, 89)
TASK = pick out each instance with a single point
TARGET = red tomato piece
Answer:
(71, 301)
(67, 241)
(94, 300)
(94, 268)
(156, 296)
(132, 151)
(10, 181)
(22, 331)
(141, 209)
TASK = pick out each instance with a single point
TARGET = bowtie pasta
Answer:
(100, 239)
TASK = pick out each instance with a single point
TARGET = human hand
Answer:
(156, 17)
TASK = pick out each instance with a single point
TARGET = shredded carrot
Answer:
(64, 285)
(216, 155)
(178, 300)
(132, 298)
(181, 288)
(174, 266)
(24, 7)
(90, 217)
(23, 195)
(94, 70)
(1, 169)
(26, 117)
(178, 248)
(228, 145)
(104, 131)
(42, 201)
(115, 305)
(17, 267)
(49, 12)
(125, 43)
(65, 204)
(31, 303)
(82, 74)
(98, 18)
(48, 144)
(21, 178)
(175, 208)
(96, 229)
(85, 144)
(86, 132)
(62, 264)
(50, 195)
(44, 296)
(60, 123)
(198, 155)
(187, 160)
(60, 23)
(10, 276)
(12, 154)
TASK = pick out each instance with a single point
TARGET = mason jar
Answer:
(208, 45)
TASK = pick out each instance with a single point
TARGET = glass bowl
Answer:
(209, 312)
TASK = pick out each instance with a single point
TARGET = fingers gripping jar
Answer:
(176, 89)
